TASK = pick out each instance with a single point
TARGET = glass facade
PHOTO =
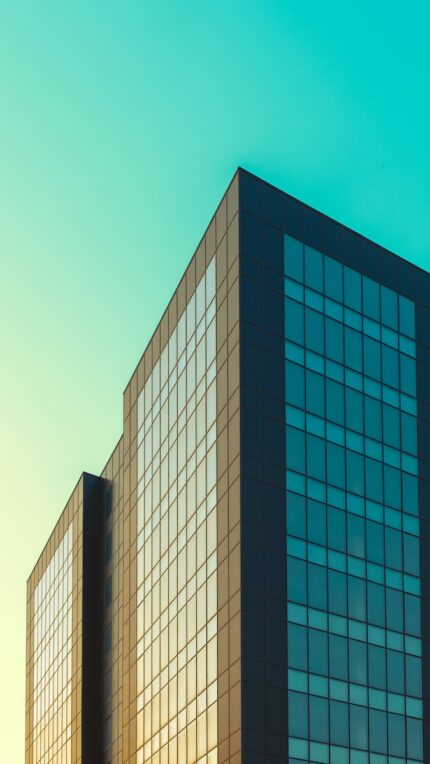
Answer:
(354, 612)
(176, 559)
(52, 671)
(249, 579)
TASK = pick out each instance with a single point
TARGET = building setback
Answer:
(248, 579)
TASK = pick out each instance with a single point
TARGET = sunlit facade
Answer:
(247, 580)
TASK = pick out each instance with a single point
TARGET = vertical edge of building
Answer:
(262, 374)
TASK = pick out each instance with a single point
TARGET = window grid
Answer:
(52, 656)
(176, 561)
(354, 641)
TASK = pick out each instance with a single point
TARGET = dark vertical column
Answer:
(92, 619)
(422, 318)
(262, 375)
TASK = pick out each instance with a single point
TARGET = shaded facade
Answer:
(247, 579)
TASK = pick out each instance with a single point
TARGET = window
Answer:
(313, 269)
(294, 321)
(293, 258)
(334, 340)
(315, 393)
(295, 384)
(371, 299)
(295, 449)
(389, 313)
(297, 647)
(296, 515)
(333, 279)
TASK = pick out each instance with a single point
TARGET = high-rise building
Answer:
(248, 580)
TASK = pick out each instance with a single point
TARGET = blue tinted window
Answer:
(313, 269)
(354, 472)
(335, 465)
(318, 652)
(410, 494)
(374, 479)
(354, 409)
(315, 457)
(352, 288)
(393, 548)
(297, 646)
(412, 615)
(390, 366)
(297, 714)
(411, 554)
(353, 349)
(356, 536)
(415, 738)
(293, 258)
(394, 609)
(296, 515)
(317, 522)
(396, 735)
(376, 604)
(318, 719)
(297, 580)
(336, 529)
(395, 671)
(357, 662)
(295, 384)
(372, 418)
(333, 279)
(314, 323)
(371, 299)
(377, 672)
(375, 542)
(339, 723)
(407, 375)
(406, 316)
(372, 358)
(391, 420)
(334, 340)
(315, 394)
(413, 676)
(377, 731)
(409, 433)
(317, 587)
(338, 655)
(392, 487)
(335, 394)
(294, 321)
(357, 598)
(389, 312)
(295, 449)
(358, 727)
(337, 594)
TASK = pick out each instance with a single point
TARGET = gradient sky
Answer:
(121, 124)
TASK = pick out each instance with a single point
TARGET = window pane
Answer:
(294, 321)
(371, 299)
(297, 646)
(313, 268)
(352, 286)
(333, 279)
(293, 258)
(295, 384)
(389, 312)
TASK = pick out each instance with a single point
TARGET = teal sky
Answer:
(121, 124)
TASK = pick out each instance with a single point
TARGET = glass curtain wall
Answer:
(354, 631)
(177, 589)
(52, 671)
